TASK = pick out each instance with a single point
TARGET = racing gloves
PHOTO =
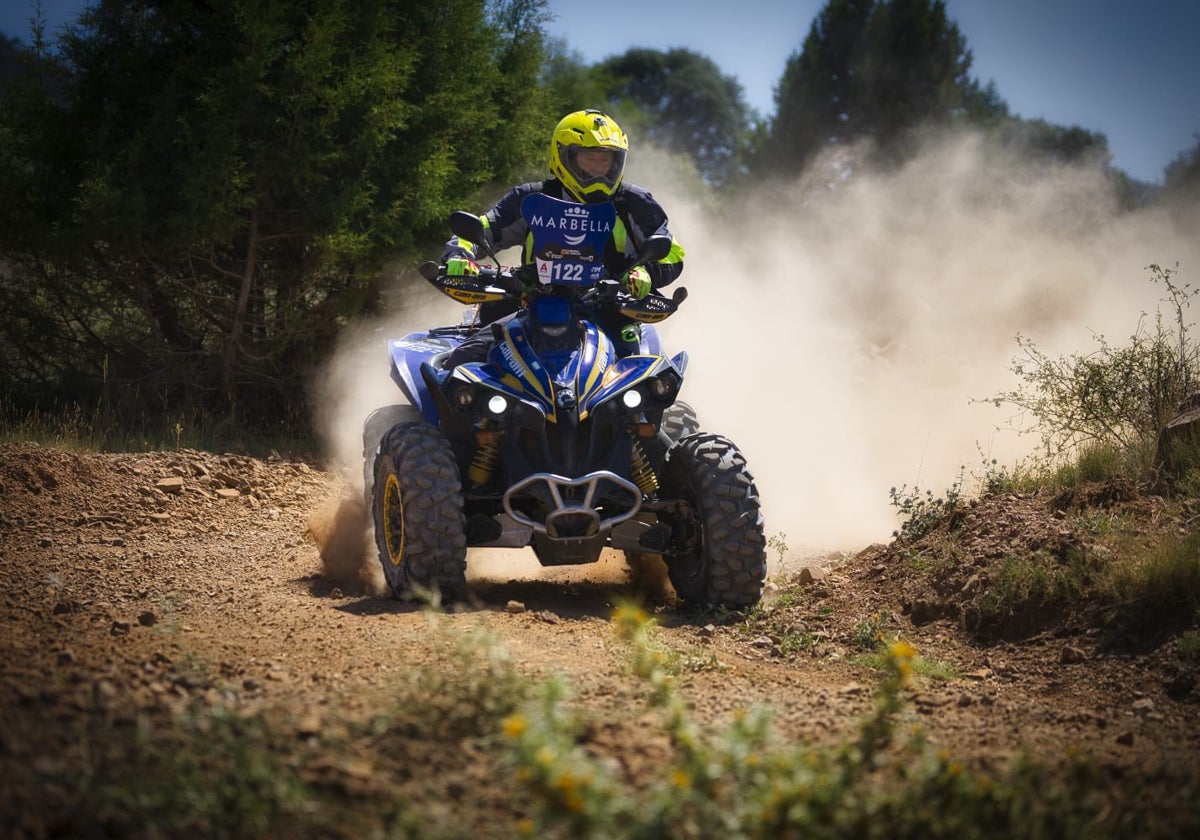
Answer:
(461, 267)
(637, 282)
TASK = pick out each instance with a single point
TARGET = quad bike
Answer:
(554, 442)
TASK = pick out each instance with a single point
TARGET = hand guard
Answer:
(461, 267)
(637, 282)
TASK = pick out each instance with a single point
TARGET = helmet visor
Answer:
(591, 165)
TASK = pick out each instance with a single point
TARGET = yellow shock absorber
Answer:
(480, 471)
(643, 473)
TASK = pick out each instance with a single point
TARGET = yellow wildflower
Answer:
(681, 779)
(901, 654)
(514, 726)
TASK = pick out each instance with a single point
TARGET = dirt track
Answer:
(147, 584)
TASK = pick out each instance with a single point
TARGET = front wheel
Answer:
(679, 420)
(719, 557)
(417, 508)
(378, 423)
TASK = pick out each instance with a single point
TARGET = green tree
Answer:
(683, 103)
(817, 100)
(1038, 139)
(217, 183)
(1182, 175)
(915, 70)
(877, 69)
(1181, 190)
(572, 84)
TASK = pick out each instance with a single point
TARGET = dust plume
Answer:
(340, 532)
(355, 382)
(839, 328)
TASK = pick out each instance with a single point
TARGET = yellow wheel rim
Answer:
(393, 520)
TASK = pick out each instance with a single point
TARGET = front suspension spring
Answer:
(643, 473)
(480, 471)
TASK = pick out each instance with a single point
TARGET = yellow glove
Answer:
(461, 267)
(637, 282)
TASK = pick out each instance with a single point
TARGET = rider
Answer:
(587, 159)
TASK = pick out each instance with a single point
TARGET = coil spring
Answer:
(643, 473)
(480, 471)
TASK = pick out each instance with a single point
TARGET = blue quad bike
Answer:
(554, 441)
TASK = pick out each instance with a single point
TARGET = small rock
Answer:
(514, 607)
(930, 701)
(707, 631)
(147, 619)
(1071, 655)
(45, 542)
(809, 574)
(1143, 707)
(117, 541)
(1125, 739)
(228, 493)
(172, 485)
(159, 517)
(66, 656)
(761, 642)
(119, 628)
(310, 727)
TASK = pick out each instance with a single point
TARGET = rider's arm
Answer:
(503, 224)
(648, 216)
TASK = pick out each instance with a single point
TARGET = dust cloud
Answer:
(339, 529)
(840, 328)
(356, 381)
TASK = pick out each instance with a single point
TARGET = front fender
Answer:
(407, 355)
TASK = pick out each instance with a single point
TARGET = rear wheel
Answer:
(719, 556)
(417, 508)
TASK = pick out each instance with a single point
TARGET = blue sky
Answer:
(1127, 68)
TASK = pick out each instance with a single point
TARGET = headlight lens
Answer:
(632, 398)
(463, 396)
(497, 404)
(663, 387)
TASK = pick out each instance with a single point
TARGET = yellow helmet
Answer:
(587, 153)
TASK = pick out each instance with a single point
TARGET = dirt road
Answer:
(137, 589)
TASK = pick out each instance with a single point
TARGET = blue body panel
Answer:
(407, 356)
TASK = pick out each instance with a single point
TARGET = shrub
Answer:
(1117, 398)
(882, 780)
(924, 511)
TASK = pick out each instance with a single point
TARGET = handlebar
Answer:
(495, 284)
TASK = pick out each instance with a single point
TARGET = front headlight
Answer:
(463, 397)
(663, 387)
(632, 398)
(497, 404)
